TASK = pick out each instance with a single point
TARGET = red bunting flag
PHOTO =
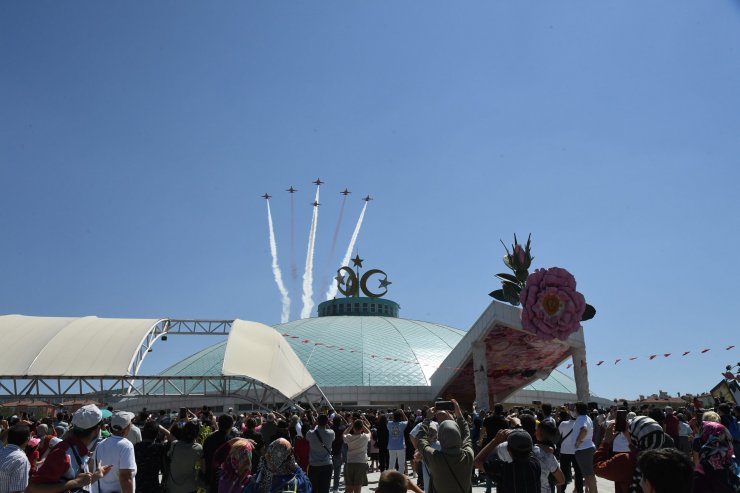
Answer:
(685, 353)
(652, 356)
(729, 347)
(318, 344)
(599, 363)
(617, 361)
(633, 358)
(569, 365)
(704, 351)
(305, 341)
(666, 355)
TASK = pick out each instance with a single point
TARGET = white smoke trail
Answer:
(332, 292)
(308, 274)
(285, 315)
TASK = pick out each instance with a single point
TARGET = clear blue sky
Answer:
(136, 138)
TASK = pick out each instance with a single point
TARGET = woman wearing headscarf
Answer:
(279, 471)
(644, 434)
(451, 466)
(236, 469)
(715, 472)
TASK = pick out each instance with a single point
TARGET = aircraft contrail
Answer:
(308, 274)
(285, 315)
(293, 266)
(332, 292)
(330, 259)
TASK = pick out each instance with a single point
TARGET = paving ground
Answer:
(604, 486)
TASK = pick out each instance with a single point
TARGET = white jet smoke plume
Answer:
(308, 274)
(285, 315)
(332, 292)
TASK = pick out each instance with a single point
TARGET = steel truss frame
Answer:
(135, 385)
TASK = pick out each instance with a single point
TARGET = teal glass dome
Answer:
(349, 351)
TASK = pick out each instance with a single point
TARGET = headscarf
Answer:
(278, 461)
(716, 447)
(645, 434)
(450, 439)
(237, 467)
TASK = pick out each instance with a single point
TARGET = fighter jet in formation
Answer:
(291, 189)
(318, 182)
(367, 198)
(315, 203)
(266, 196)
(346, 192)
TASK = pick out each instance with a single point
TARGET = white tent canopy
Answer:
(103, 348)
(66, 347)
(260, 352)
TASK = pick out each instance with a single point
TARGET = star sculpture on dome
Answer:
(339, 279)
(350, 283)
(357, 261)
(384, 283)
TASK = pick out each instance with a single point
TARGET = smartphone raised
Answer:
(444, 406)
(620, 424)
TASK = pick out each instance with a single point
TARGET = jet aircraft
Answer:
(266, 196)
(346, 192)
(291, 189)
(318, 182)
(368, 198)
(316, 204)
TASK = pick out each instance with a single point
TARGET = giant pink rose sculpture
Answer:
(551, 306)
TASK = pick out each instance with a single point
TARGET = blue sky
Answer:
(136, 138)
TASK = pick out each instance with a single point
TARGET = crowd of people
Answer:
(435, 449)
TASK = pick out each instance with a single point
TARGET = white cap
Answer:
(87, 416)
(119, 420)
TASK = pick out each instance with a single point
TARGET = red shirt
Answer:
(61, 463)
(615, 467)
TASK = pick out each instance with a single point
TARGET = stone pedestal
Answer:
(480, 372)
(577, 343)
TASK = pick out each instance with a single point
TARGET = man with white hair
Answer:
(118, 452)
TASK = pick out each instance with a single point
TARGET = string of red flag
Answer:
(583, 363)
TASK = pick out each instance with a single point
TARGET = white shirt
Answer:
(14, 468)
(568, 445)
(118, 452)
(621, 443)
(134, 434)
(583, 421)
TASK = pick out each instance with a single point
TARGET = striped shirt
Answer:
(14, 468)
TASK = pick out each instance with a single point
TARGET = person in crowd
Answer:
(301, 448)
(357, 439)
(644, 434)
(383, 437)
(185, 457)
(671, 424)
(279, 471)
(582, 435)
(374, 450)
(684, 435)
(339, 427)
(211, 444)
(492, 424)
(150, 456)
(392, 481)
(269, 429)
(715, 471)
(396, 441)
(568, 453)
(707, 416)
(235, 472)
(665, 471)
(32, 452)
(451, 466)
(65, 468)
(320, 460)
(259, 445)
(14, 465)
(519, 475)
(118, 452)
